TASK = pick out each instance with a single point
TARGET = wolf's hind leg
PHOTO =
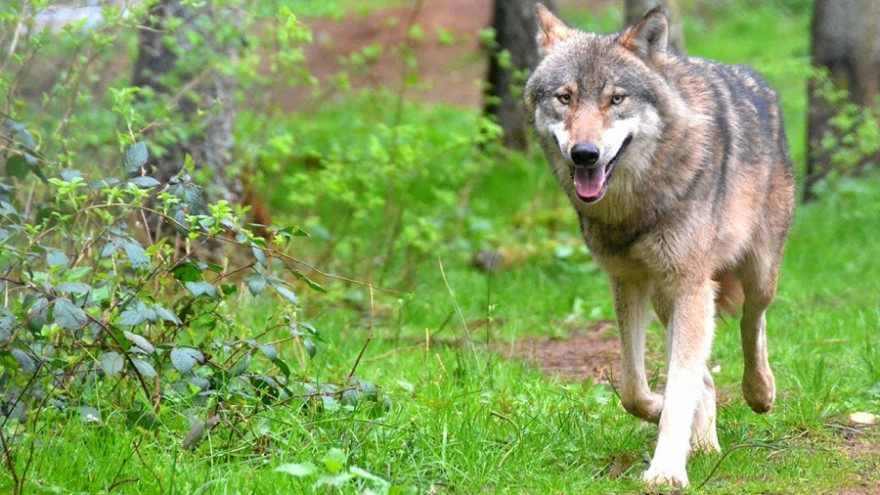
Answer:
(631, 306)
(758, 275)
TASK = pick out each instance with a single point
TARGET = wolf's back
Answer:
(744, 107)
(743, 156)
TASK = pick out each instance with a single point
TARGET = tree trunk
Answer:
(634, 10)
(200, 94)
(846, 42)
(512, 58)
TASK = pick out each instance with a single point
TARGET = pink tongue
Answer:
(588, 181)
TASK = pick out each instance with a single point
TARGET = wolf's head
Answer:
(597, 100)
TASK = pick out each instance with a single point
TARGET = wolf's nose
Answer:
(585, 154)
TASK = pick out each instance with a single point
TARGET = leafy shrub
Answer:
(853, 141)
(121, 291)
(90, 304)
(389, 175)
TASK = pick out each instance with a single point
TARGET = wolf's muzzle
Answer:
(585, 154)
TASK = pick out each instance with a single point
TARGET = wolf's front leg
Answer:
(692, 328)
(631, 306)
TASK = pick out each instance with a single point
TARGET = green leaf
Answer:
(69, 174)
(368, 389)
(17, 167)
(269, 351)
(188, 272)
(202, 288)
(256, 283)
(38, 314)
(103, 182)
(311, 283)
(136, 254)
(293, 232)
(111, 362)
(337, 480)
(7, 209)
(334, 460)
(241, 366)
(200, 383)
(67, 315)
(22, 134)
(140, 342)
(184, 359)
(362, 473)
(308, 328)
(350, 397)
(56, 258)
(283, 367)
(25, 362)
(8, 321)
(135, 157)
(89, 414)
(301, 469)
(167, 315)
(329, 403)
(73, 287)
(196, 432)
(35, 167)
(108, 249)
(310, 347)
(145, 182)
(137, 314)
(145, 369)
(260, 256)
(131, 318)
(286, 293)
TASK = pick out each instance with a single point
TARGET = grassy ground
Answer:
(455, 415)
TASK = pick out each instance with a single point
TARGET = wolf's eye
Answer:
(564, 98)
(617, 98)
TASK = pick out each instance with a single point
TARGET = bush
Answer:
(122, 291)
(851, 145)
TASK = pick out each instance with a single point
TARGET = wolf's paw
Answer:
(660, 475)
(705, 444)
(759, 390)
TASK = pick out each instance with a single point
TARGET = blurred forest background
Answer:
(312, 245)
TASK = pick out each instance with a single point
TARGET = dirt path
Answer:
(592, 351)
(451, 65)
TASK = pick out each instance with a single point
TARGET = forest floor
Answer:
(452, 66)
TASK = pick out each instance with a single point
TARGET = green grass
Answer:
(456, 416)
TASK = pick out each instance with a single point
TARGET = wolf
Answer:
(679, 171)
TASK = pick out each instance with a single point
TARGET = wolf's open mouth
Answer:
(590, 182)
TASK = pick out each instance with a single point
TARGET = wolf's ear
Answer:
(551, 30)
(648, 38)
